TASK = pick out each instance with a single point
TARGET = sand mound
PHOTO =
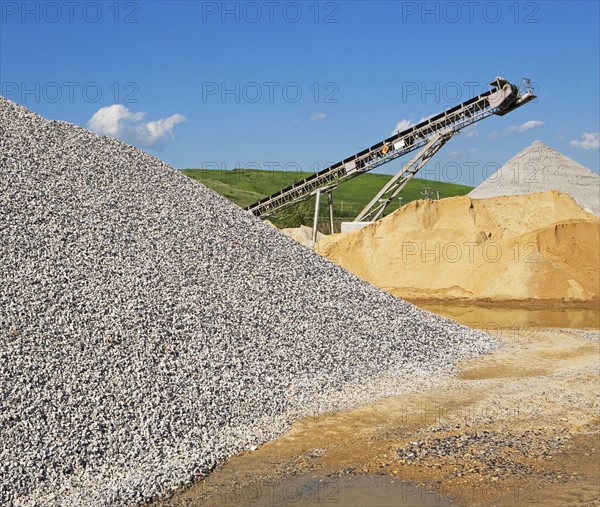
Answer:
(539, 168)
(532, 248)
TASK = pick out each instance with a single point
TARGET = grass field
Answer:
(246, 186)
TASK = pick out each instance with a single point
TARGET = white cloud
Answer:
(470, 132)
(590, 141)
(317, 116)
(402, 125)
(528, 125)
(107, 119)
(118, 121)
(517, 129)
(462, 154)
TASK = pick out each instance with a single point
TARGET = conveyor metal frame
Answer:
(374, 210)
(502, 98)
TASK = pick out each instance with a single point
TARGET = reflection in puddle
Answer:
(346, 491)
(518, 319)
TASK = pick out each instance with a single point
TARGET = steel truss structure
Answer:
(429, 136)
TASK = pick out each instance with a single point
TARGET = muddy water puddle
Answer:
(355, 491)
(520, 320)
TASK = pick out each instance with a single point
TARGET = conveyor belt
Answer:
(502, 98)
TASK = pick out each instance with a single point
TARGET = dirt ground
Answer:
(519, 427)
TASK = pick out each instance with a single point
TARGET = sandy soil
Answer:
(519, 427)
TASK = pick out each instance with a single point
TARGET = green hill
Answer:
(246, 186)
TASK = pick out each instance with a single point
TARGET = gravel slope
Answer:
(149, 328)
(539, 168)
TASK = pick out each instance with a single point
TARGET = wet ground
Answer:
(309, 491)
(519, 427)
(521, 320)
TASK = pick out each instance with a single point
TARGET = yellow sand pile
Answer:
(536, 248)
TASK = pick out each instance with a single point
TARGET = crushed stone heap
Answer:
(149, 328)
(539, 168)
(536, 249)
(302, 234)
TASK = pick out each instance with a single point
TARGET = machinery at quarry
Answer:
(427, 136)
(150, 329)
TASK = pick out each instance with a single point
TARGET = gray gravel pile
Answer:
(539, 168)
(149, 329)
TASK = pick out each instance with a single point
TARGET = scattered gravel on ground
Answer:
(487, 452)
(149, 329)
(518, 432)
(592, 335)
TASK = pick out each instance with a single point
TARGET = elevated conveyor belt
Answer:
(502, 98)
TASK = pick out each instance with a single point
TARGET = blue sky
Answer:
(288, 85)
